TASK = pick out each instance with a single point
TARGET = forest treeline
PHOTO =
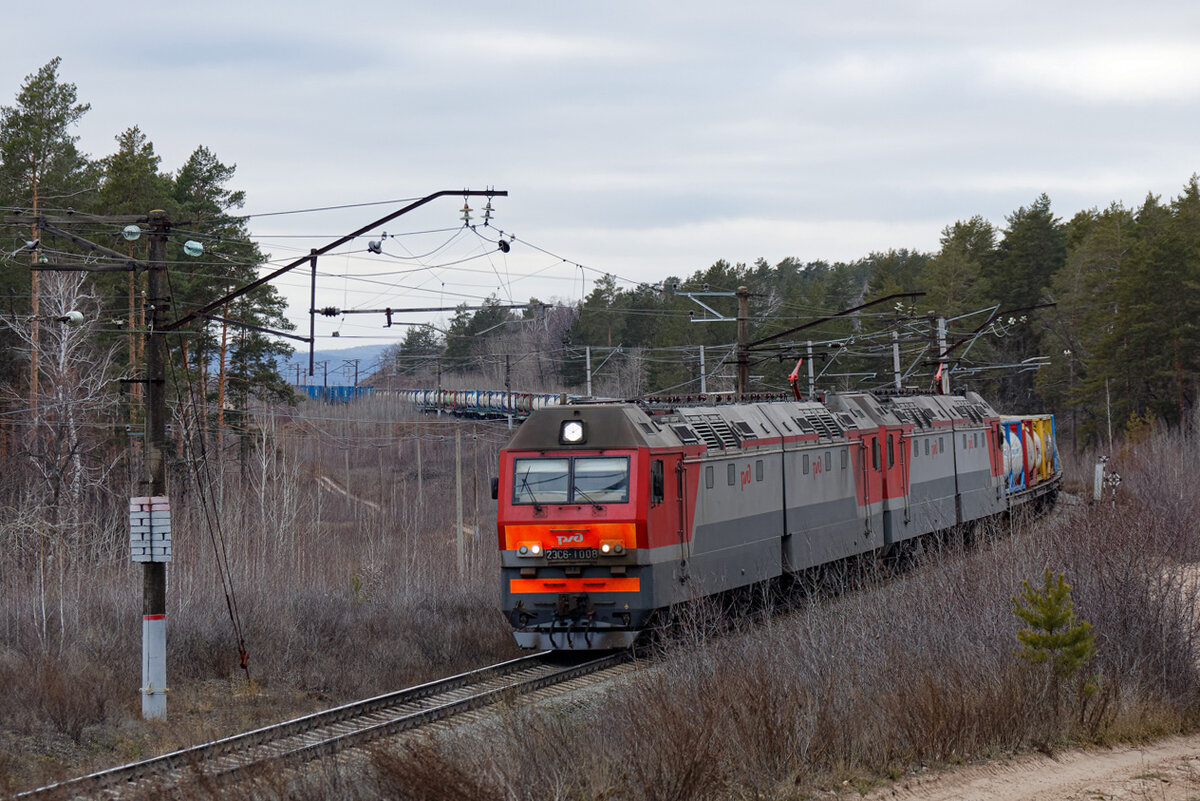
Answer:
(1093, 318)
(43, 173)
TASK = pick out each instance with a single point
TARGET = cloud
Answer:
(1139, 73)
(863, 73)
(637, 254)
(503, 47)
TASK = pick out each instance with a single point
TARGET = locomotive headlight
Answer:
(535, 549)
(571, 432)
(530, 549)
(611, 548)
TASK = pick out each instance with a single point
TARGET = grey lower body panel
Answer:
(979, 495)
(712, 572)
(829, 531)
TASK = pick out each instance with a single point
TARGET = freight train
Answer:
(486, 404)
(611, 512)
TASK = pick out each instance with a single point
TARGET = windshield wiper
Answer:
(537, 507)
(588, 498)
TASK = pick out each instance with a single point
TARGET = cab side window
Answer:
(656, 482)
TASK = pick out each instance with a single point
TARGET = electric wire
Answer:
(211, 513)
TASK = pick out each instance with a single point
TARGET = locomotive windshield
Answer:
(575, 479)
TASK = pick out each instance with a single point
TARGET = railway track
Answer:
(323, 733)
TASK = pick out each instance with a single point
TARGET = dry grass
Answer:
(866, 674)
(338, 598)
(906, 671)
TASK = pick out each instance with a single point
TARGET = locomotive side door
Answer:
(669, 513)
(894, 476)
(871, 480)
(682, 530)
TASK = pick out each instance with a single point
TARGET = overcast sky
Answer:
(640, 139)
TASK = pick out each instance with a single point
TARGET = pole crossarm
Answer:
(308, 258)
(695, 298)
(333, 311)
(124, 258)
(253, 327)
(993, 318)
(84, 267)
(77, 216)
(842, 313)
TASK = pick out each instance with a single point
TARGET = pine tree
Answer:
(1053, 635)
(467, 326)
(415, 356)
(247, 360)
(952, 276)
(39, 163)
(1016, 276)
(1149, 347)
(131, 184)
(1086, 312)
(38, 158)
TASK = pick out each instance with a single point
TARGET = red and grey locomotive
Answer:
(609, 512)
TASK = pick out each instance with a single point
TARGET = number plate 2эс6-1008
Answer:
(560, 554)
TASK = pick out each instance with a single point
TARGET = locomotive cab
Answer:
(574, 488)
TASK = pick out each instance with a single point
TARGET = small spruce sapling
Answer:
(1054, 635)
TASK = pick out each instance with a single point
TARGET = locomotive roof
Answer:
(737, 425)
(609, 425)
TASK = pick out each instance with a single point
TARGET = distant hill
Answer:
(339, 372)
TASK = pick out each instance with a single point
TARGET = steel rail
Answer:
(330, 731)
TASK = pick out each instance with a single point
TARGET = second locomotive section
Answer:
(608, 512)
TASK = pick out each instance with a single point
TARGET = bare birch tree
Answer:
(65, 453)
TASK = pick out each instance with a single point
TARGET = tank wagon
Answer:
(609, 512)
(478, 403)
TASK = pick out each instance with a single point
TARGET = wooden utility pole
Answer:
(587, 366)
(150, 527)
(896, 379)
(743, 341)
(458, 519)
(224, 352)
(154, 475)
(36, 308)
(132, 335)
(420, 478)
(943, 373)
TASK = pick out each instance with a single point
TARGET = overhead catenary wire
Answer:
(370, 280)
(211, 514)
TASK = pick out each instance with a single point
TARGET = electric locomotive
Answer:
(609, 512)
